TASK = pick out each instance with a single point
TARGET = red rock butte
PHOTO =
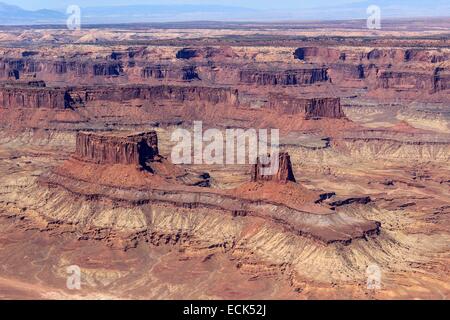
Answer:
(283, 174)
(321, 107)
(117, 148)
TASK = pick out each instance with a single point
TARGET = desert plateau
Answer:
(88, 179)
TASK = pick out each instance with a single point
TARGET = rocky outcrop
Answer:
(346, 71)
(160, 72)
(206, 53)
(155, 93)
(30, 96)
(441, 80)
(418, 72)
(33, 96)
(117, 148)
(404, 80)
(188, 53)
(318, 53)
(420, 55)
(284, 77)
(46, 69)
(107, 69)
(283, 174)
(378, 55)
(37, 84)
(395, 146)
(310, 108)
(326, 228)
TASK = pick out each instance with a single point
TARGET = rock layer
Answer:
(32, 97)
(292, 77)
(135, 149)
(25, 96)
(308, 107)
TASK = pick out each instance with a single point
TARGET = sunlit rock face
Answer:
(283, 174)
(125, 148)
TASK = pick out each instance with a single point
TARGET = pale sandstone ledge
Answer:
(327, 228)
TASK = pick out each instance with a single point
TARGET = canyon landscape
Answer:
(89, 179)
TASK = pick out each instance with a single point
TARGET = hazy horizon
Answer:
(253, 4)
(135, 11)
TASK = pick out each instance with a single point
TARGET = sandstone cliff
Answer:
(308, 107)
(31, 66)
(14, 96)
(32, 97)
(135, 149)
(292, 77)
(164, 71)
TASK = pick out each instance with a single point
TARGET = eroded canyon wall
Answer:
(407, 69)
(25, 96)
(300, 76)
(33, 97)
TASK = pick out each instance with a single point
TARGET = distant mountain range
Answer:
(10, 14)
(13, 15)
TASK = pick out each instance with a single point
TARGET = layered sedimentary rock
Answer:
(93, 171)
(346, 71)
(263, 170)
(288, 77)
(28, 66)
(418, 72)
(326, 228)
(14, 96)
(441, 80)
(126, 148)
(388, 79)
(163, 71)
(383, 55)
(405, 146)
(160, 92)
(309, 53)
(206, 53)
(33, 96)
(308, 107)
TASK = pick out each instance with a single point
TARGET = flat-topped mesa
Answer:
(175, 93)
(32, 95)
(283, 174)
(117, 148)
(35, 95)
(310, 108)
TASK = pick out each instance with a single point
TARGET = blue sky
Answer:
(261, 10)
(257, 4)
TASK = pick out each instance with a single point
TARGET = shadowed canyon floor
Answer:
(365, 176)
